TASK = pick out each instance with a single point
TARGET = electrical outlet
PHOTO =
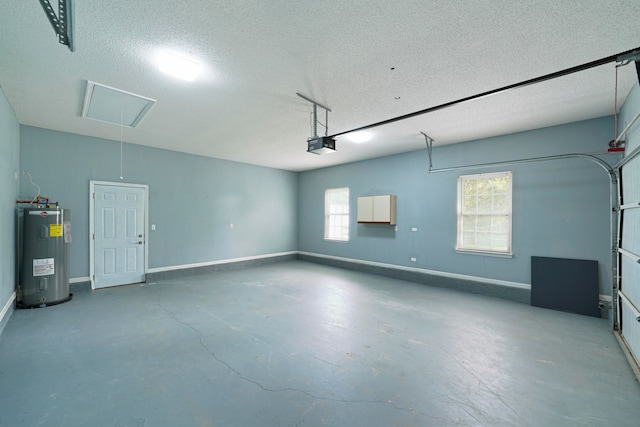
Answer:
(413, 259)
(153, 227)
(414, 228)
(231, 225)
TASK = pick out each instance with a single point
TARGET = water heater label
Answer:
(43, 267)
(44, 213)
(55, 230)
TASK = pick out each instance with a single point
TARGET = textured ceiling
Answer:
(366, 60)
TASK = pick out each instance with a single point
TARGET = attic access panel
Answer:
(114, 106)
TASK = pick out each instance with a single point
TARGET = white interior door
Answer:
(118, 234)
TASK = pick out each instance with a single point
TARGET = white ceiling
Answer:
(366, 60)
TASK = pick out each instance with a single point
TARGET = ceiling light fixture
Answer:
(178, 66)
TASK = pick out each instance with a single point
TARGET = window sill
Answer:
(485, 253)
(336, 240)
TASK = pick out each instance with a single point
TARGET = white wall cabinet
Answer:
(377, 209)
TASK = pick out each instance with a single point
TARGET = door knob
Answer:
(140, 242)
(139, 235)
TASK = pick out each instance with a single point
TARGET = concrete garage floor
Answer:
(299, 344)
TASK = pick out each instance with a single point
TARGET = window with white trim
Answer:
(336, 214)
(484, 213)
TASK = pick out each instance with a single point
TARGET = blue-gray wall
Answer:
(9, 166)
(193, 199)
(560, 208)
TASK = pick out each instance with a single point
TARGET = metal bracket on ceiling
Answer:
(63, 22)
(633, 55)
(315, 115)
(429, 142)
(627, 58)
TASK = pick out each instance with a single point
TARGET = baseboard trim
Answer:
(503, 289)
(4, 317)
(177, 271)
(8, 305)
(513, 291)
(78, 284)
(425, 271)
(217, 262)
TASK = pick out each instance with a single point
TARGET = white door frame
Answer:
(92, 185)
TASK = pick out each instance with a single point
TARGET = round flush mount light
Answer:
(360, 136)
(178, 66)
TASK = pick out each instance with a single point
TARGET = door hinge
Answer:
(94, 277)
(94, 195)
(94, 236)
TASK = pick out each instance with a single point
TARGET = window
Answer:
(336, 214)
(484, 213)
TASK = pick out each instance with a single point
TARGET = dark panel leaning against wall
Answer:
(193, 199)
(560, 208)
